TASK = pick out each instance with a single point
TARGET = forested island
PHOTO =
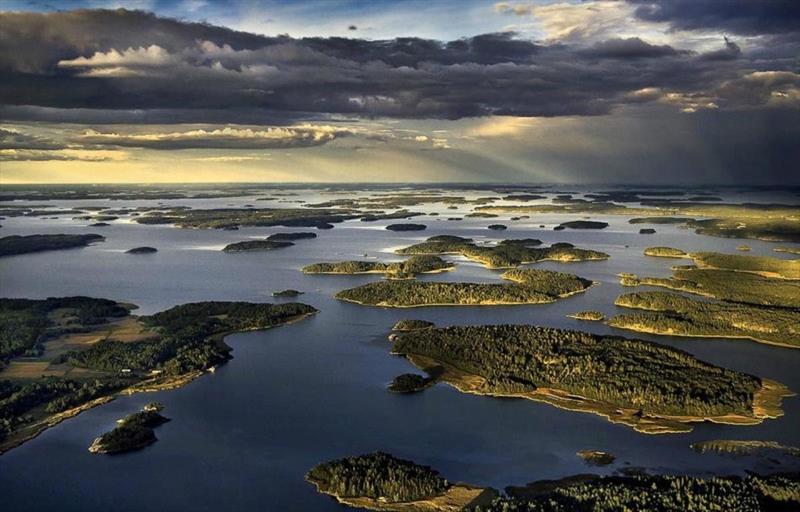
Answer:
(290, 237)
(16, 244)
(738, 447)
(411, 325)
(652, 388)
(675, 315)
(502, 255)
(590, 316)
(727, 285)
(256, 245)
(408, 269)
(526, 286)
(133, 432)
(380, 481)
(81, 352)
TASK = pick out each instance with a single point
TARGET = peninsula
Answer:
(61, 356)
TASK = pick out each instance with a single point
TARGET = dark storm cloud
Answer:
(746, 17)
(630, 48)
(142, 65)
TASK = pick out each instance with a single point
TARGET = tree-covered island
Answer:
(651, 388)
(525, 286)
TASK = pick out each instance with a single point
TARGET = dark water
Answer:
(242, 439)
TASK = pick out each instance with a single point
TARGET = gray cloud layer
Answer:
(126, 60)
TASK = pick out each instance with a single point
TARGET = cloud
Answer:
(737, 16)
(36, 155)
(630, 48)
(130, 66)
(220, 138)
(12, 139)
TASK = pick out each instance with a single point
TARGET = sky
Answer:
(602, 91)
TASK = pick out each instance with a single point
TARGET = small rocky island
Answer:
(584, 224)
(142, 250)
(596, 457)
(412, 325)
(406, 227)
(133, 432)
(288, 293)
(410, 383)
(590, 316)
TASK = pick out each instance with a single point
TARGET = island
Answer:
(16, 244)
(663, 493)
(222, 218)
(664, 252)
(788, 250)
(133, 432)
(502, 255)
(726, 285)
(411, 325)
(743, 248)
(761, 221)
(596, 457)
(652, 388)
(380, 481)
(406, 227)
(408, 269)
(590, 316)
(410, 383)
(676, 315)
(584, 224)
(61, 356)
(737, 447)
(289, 237)
(659, 220)
(526, 286)
(383, 482)
(288, 293)
(256, 245)
(142, 250)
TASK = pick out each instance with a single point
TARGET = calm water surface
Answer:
(242, 439)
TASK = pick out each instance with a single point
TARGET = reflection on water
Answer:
(242, 439)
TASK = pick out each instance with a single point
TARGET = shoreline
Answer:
(711, 336)
(456, 498)
(151, 385)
